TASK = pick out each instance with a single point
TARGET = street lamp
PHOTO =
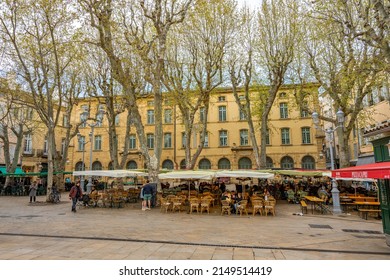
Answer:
(81, 140)
(97, 121)
(329, 132)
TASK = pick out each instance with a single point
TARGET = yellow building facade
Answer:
(292, 141)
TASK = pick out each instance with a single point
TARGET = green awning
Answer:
(18, 172)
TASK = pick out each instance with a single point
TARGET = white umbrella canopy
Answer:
(244, 174)
(188, 174)
(110, 173)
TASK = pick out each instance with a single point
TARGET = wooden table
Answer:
(346, 201)
(364, 207)
(313, 200)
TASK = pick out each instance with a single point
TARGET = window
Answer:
(167, 164)
(28, 144)
(244, 139)
(29, 113)
(308, 162)
(117, 119)
(304, 112)
(183, 140)
(65, 121)
(150, 117)
(81, 143)
(80, 166)
(269, 163)
(96, 165)
(204, 164)
(223, 138)
(150, 103)
(45, 146)
(221, 98)
(202, 114)
(63, 141)
(283, 110)
(131, 165)
(222, 113)
(150, 140)
(285, 136)
(267, 138)
(97, 142)
(242, 115)
(132, 142)
(223, 163)
(183, 164)
(287, 163)
(206, 140)
(244, 163)
(305, 135)
(167, 116)
(83, 123)
(167, 140)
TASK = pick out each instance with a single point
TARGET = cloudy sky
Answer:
(250, 3)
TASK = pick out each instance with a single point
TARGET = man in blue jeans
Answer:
(148, 191)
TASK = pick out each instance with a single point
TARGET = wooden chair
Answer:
(205, 205)
(176, 204)
(106, 200)
(225, 207)
(241, 207)
(165, 205)
(194, 205)
(269, 207)
(257, 205)
(117, 200)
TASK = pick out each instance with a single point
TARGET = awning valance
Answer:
(18, 171)
(379, 170)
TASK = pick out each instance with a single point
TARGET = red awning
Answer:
(379, 170)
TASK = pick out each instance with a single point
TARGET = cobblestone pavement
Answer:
(45, 231)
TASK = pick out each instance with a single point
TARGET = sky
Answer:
(250, 3)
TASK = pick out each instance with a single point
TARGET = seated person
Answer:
(266, 194)
(93, 195)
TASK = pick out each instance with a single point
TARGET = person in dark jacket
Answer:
(148, 192)
(75, 194)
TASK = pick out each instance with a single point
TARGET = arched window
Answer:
(308, 162)
(269, 163)
(183, 164)
(97, 165)
(79, 166)
(287, 163)
(110, 166)
(131, 165)
(204, 164)
(244, 163)
(223, 163)
(167, 164)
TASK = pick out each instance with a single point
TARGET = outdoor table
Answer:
(365, 207)
(313, 200)
(346, 201)
(367, 204)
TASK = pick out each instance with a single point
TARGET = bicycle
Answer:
(54, 196)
